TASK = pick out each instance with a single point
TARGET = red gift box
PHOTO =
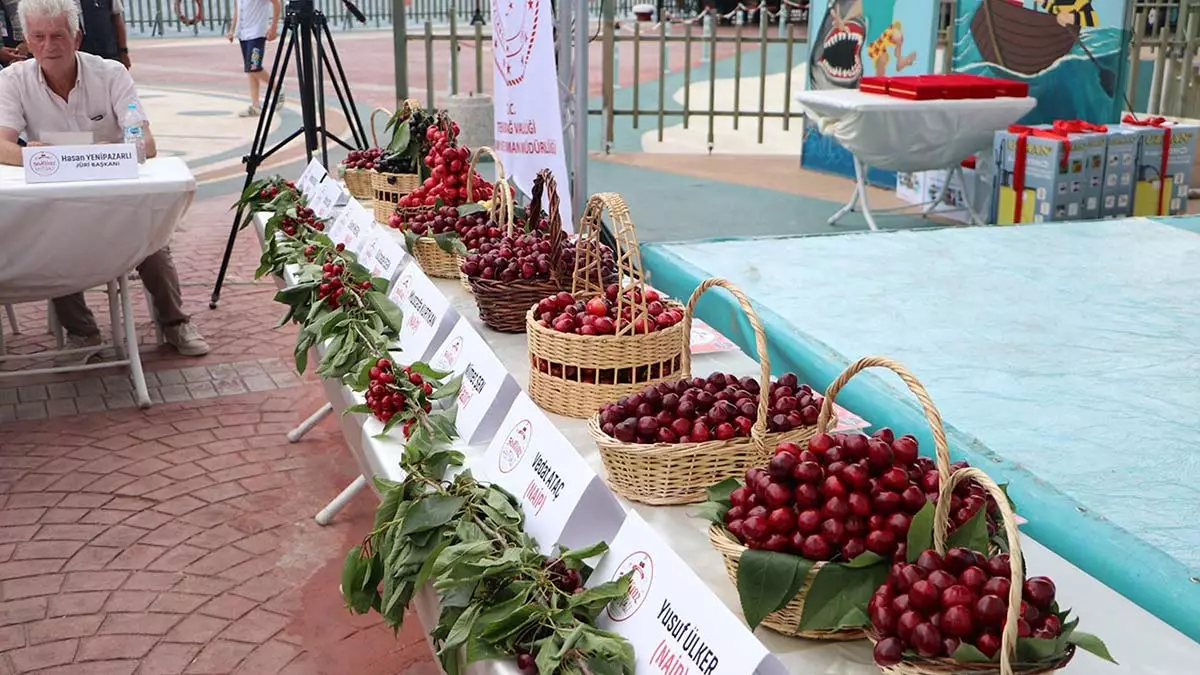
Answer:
(1003, 87)
(917, 87)
(874, 85)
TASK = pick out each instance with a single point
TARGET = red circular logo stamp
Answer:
(449, 355)
(516, 444)
(642, 578)
(44, 163)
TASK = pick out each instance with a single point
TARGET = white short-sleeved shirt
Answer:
(253, 18)
(103, 91)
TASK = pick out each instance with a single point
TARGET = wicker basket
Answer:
(786, 620)
(388, 188)
(500, 176)
(504, 304)
(678, 473)
(358, 182)
(915, 665)
(433, 259)
(582, 372)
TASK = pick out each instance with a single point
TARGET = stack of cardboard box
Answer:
(1073, 171)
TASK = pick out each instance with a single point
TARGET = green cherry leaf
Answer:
(920, 532)
(839, 595)
(714, 512)
(1091, 644)
(767, 581)
(720, 491)
(972, 534)
(430, 512)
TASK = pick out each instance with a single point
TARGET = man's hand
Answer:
(124, 56)
(229, 36)
(271, 34)
(9, 55)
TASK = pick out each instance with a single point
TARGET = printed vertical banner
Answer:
(1073, 55)
(852, 39)
(529, 134)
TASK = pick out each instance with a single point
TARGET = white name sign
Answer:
(328, 196)
(313, 174)
(387, 258)
(563, 499)
(352, 227)
(486, 383)
(427, 313)
(73, 163)
(672, 619)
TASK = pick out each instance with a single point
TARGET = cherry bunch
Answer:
(363, 159)
(699, 409)
(511, 257)
(938, 603)
(337, 287)
(304, 218)
(449, 164)
(599, 315)
(391, 393)
(840, 496)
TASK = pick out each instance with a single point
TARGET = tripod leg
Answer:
(319, 64)
(340, 84)
(256, 155)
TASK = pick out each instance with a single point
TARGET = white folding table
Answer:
(62, 238)
(901, 135)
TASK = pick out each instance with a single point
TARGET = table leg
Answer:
(855, 197)
(860, 175)
(114, 317)
(12, 320)
(968, 194)
(296, 434)
(131, 345)
(941, 198)
(325, 515)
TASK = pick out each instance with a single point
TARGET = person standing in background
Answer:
(12, 47)
(253, 24)
(104, 29)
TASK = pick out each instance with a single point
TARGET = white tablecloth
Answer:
(1141, 642)
(901, 135)
(59, 238)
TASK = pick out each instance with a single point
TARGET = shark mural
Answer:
(849, 28)
(864, 37)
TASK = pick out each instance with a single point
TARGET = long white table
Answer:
(901, 135)
(1142, 643)
(61, 238)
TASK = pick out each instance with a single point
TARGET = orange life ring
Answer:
(194, 20)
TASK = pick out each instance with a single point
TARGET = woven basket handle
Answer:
(941, 520)
(589, 270)
(387, 114)
(932, 416)
(545, 185)
(502, 207)
(759, 430)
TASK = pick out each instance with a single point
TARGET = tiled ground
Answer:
(180, 539)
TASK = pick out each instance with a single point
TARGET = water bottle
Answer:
(134, 134)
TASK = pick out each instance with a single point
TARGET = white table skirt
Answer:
(1141, 642)
(901, 135)
(59, 238)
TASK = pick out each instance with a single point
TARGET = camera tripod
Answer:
(306, 36)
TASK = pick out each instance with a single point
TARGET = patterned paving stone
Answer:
(180, 539)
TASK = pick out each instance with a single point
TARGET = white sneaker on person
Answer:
(252, 111)
(185, 339)
(80, 342)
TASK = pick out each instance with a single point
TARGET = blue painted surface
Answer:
(1063, 353)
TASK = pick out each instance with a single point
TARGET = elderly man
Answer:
(62, 90)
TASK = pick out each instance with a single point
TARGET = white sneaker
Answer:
(252, 111)
(80, 342)
(185, 339)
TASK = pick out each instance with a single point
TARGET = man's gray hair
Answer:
(49, 9)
